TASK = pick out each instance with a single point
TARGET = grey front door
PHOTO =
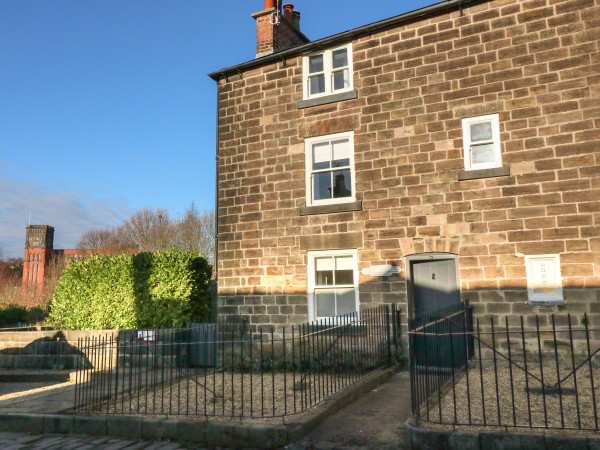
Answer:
(434, 285)
(437, 313)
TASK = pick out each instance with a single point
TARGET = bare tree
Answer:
(106, 239)
(37, 295)
(11, 271)
(195, 231)
(9, 284)
(52, 273)
(150, 230)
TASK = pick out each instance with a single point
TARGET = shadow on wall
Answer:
(276, 310)
(47, 353)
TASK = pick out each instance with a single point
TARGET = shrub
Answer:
(15, 315)
(143, 290)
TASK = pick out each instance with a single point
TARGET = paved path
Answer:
(374, 421)
(66, 442)
(50, 398)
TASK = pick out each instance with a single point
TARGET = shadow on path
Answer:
(376, 420)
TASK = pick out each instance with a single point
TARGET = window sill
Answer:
(349, 95)
(328, 209)
(546, 302)
(503, 171)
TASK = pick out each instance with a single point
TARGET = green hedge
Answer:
(12, 315)
(158, 289)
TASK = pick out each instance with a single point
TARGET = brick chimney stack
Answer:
(277, 30)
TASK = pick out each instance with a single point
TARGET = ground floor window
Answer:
(332, 283)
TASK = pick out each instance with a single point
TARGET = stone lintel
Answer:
(330, 209)
(349, 95)
(338, 241)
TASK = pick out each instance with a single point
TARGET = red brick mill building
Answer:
(448, 153)
(39, 251)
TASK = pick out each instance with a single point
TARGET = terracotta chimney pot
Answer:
(296, 20)
(269, 4)
(287, 11)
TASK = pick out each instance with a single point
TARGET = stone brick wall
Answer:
(535, 63)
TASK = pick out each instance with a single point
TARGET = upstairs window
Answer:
(328, 72)
(481, 139)
(333, 283)
(330, 169)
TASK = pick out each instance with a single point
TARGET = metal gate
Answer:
(439, 340)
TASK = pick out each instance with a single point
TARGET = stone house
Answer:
(448, 153)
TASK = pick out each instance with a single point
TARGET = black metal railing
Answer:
(440, 347)
(538, 372)
(222, 369)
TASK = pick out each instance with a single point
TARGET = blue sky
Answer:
(106, 106)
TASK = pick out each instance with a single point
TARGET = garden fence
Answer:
(222, 369)
(504, 373)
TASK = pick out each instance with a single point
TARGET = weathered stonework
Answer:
(536, 63)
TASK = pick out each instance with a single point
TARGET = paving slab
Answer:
(51, 399)
(375, 420)
(11, 440)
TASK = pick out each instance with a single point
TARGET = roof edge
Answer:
(411, 16)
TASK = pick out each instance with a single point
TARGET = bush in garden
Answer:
(16, 315)
(143, 290)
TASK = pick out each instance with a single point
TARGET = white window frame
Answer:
(312, 256)
(308, 145)
(328, 71)
(557, 296)
(495, 141)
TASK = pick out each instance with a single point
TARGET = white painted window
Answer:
(544, 283)
(481, 140)
(327, 72)
(330, 169)
(332, 283)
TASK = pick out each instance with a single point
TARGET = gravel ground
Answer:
(519, 402)
(228, 394)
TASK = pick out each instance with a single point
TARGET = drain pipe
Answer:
(216, 235)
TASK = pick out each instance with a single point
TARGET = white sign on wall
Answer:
(383, 270)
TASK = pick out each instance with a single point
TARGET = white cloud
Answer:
(69, 210)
